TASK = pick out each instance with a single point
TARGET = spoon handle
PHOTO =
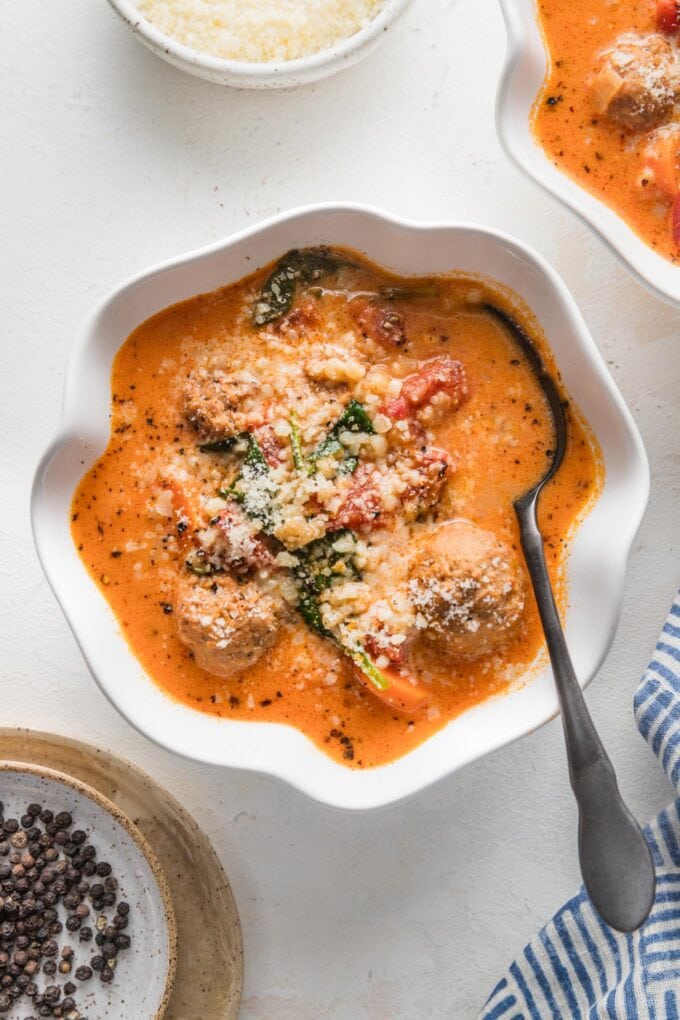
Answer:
(616, 863)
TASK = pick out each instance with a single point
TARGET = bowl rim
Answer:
(294, 768)
(269, 70)
(118, 815)
(526, 48)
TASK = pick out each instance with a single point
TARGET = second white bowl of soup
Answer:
(587, 107)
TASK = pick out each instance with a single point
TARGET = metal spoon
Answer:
(616, 862)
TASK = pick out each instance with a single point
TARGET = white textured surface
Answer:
(113, 160)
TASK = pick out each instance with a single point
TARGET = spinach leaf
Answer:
(257, 500)
(308, 608)
(361, 658)
(313, 575)
(254, 457)
(353, 419)
(330, 445)
(317, 564)
(296, 442)
(302, 265)
(222, 445)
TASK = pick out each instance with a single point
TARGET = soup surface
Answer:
(608, 113)
(305, 510)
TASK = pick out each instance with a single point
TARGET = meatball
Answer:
(228, 626)
(219, 404)
(467, 589)
(380, 323)
(638, 84)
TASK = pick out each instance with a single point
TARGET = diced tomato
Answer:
(303, 317)
(401, 694)
(362, 504)
(433, 466)
(244, 551)
(661, 156)
(668, 16)
(382, 324)
(376, 647)
(439, 375)
(269, 444)
(676, 220)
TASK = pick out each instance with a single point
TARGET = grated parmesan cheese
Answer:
(261, 31)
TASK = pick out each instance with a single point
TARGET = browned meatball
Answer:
(228, 626)
(638, 84)
(467, 589)
(219, 405)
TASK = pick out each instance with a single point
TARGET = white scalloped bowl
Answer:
(596, 567)
(521, 80)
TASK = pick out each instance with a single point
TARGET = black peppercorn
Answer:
(39, 871)
(52, 993)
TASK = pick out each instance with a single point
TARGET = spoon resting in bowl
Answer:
(616, 863)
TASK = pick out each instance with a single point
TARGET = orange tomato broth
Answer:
(595, 152)
(110, 510)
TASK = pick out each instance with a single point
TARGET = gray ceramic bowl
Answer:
(144, 980)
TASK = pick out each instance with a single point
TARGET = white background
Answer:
(112, 160)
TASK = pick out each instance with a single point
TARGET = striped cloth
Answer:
(577, 967)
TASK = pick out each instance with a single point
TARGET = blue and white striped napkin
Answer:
(577, 967)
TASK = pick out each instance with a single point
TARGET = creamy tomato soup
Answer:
(305, 510)
(608, 110)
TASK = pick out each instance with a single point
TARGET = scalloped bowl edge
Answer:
(596, 566)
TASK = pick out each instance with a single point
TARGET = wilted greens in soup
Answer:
(305, 511)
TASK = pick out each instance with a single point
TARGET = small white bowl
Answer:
(270, 74)
(521, 80)
(594, 572)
